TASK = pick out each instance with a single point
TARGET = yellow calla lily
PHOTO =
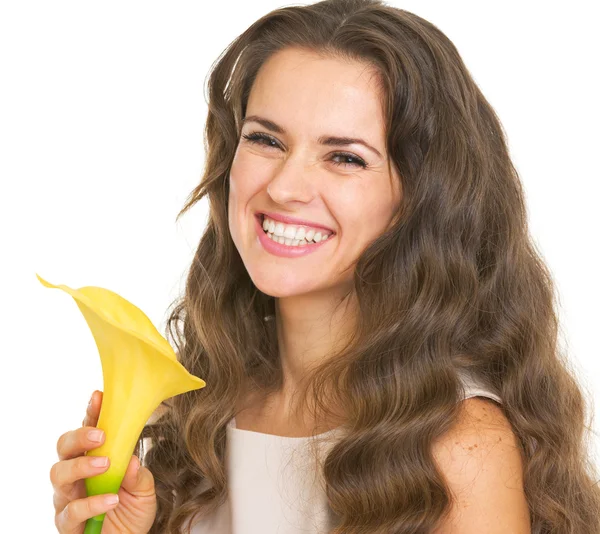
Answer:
(140, 370)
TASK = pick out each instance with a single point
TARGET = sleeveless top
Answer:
(274, 487)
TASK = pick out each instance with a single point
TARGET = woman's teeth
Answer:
(294, 236)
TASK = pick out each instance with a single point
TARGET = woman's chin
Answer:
(286, 287)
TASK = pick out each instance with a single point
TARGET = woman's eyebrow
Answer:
(328, 140)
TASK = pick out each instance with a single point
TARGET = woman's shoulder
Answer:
(481, 460)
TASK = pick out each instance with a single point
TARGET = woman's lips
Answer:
(292, 221)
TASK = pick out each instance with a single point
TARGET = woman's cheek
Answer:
(252, 168)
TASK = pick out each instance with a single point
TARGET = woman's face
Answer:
(290, 172)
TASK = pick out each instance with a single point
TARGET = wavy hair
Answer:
(456, 284)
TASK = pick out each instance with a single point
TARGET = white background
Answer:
(102, 110)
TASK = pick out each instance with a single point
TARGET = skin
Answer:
(481, 461)
(310, 96)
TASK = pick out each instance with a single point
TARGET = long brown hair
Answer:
(456, 284)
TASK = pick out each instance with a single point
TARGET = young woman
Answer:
(374, 325)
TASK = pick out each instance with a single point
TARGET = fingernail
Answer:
(91, 399)
(95, 435)
(111, 499)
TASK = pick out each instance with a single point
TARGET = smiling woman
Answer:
(362, 197)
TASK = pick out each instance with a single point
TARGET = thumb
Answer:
(138, 480)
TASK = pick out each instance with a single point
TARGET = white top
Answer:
(273, 483)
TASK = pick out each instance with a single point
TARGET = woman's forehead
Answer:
(297, 90)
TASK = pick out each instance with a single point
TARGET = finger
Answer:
(76, 442)
(93, 409)
(65, 475)
(138, 480)
(71, 518)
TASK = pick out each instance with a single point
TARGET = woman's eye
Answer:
(267, 141)
(357, 161)
(258, 138)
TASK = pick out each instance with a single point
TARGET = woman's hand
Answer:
(136, 509)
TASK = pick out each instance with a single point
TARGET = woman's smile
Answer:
(290, 248)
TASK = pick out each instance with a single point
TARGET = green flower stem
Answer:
(94, 524)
